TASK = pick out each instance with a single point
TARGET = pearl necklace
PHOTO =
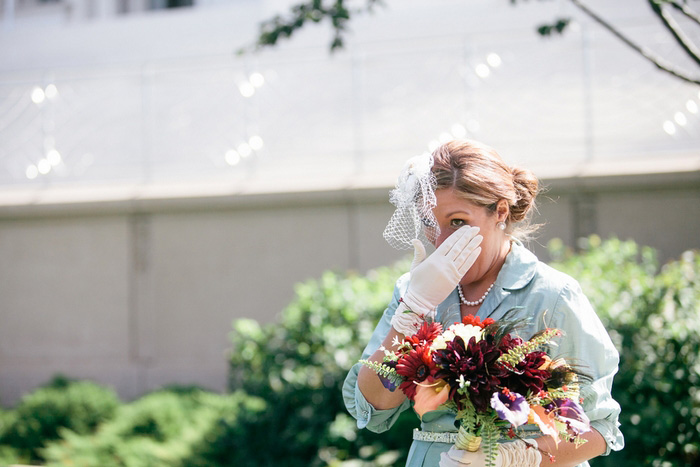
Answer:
(478, 302)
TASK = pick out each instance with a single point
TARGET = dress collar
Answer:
(518, 269)
(517, 272)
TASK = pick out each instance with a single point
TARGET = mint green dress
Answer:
(553, 299)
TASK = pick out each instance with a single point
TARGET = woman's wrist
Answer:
(371, 385)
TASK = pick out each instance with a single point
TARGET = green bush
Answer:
(654, 319)
(8, 454)
(652, 315)
(298, 367)
(168, 428)
(77, 405)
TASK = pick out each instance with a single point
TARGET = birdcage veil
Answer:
(414, 198)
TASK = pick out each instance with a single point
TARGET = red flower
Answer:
(476, 321)
(527, 375)
(476, 363)
(415, 366)
(426, 334)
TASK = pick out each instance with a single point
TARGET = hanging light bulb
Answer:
(255, 142)
(38, 95)
(257, 79)
(232, 157)
(32, 172)
(669, 127)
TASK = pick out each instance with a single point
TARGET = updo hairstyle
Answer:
(478, 173)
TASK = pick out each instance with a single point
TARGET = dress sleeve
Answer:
(366, 415)
(587, 344)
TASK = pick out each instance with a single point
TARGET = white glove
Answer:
(513, 454)
(433, 279)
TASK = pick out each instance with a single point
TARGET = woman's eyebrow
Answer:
(457, 212)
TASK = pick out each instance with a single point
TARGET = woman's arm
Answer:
(519, 453)
(568, 454)
(370, 384)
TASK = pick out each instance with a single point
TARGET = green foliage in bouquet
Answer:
(653, 316)
(41, 415)
(298, 367)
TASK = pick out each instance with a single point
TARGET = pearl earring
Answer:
(501, 225)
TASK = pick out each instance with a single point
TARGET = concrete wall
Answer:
(141, 293)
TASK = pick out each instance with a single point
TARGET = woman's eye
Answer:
(457, 223)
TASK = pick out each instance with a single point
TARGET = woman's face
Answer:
(453, 212)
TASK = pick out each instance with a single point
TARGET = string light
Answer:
(51, 91)
(38, 95)
(255, 143)
(257, 79)
(494, 60)
(232, 157)
(482, 70)
(32, 172)
(244, 150)
(44, 166)
(457, 131)
(680, 118)
(246, 89)
(254, 81)
(669, 127)
(54, 157)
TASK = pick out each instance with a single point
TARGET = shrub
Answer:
(77, 405)
(651, 314)
(168, 428)
(8, 454)
(298, 367)
(653, 317)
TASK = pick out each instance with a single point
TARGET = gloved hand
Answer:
(434, 277)
(513, 454)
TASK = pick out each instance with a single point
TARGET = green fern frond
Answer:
(490, 435)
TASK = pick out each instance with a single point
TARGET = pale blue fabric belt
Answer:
(449, 437)
(434, 436)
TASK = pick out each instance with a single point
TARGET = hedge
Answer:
(285, 404)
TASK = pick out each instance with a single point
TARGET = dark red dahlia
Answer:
(476, 362)
(527, 376)
(415, 366)
(508, 342)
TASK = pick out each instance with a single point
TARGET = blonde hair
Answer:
(480, 175)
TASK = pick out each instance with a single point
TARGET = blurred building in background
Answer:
(155, 184)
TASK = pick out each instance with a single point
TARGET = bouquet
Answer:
(491, 379)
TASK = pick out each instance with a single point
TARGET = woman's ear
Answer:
(502, 210)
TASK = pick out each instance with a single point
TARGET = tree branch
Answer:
(657, 61)
(279, 27)
(683, 8)
(674, 28)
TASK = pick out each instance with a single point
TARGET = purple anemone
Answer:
(510, 406)
(571, 413)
